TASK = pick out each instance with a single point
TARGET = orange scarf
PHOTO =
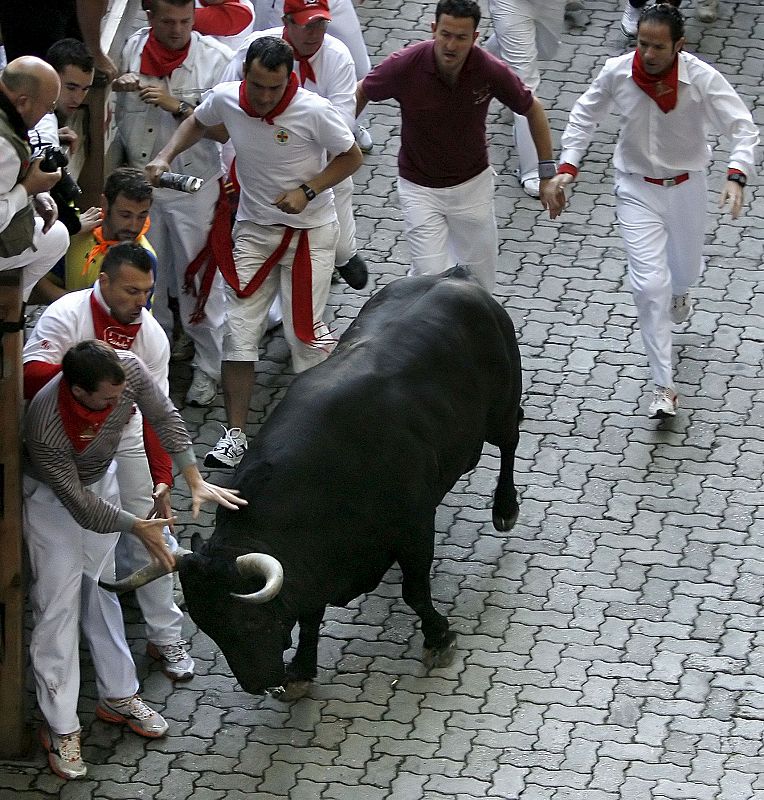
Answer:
(102, 245)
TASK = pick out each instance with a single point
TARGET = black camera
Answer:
(54, 158)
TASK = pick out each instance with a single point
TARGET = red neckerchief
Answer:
(661, 88)
(102, 245)
(290, 91)
(306, 68)
(110, 330)
(80, 423)
(158, 60)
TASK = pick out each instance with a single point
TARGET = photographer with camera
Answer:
(53, 136)
(31, 237)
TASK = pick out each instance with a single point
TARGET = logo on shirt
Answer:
(281, 136)
(45, 344)
(118, 339)
(482, 95)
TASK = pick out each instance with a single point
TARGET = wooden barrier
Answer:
(101, 156)
(13, 740)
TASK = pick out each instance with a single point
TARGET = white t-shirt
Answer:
(332, 65)
(273, 159)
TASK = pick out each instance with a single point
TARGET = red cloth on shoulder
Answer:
(226, 19)
(36, 375)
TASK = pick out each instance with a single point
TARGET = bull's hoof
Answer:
(505, 522)
(435, 658)
(289, 692)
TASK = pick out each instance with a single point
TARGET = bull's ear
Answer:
(196, 542)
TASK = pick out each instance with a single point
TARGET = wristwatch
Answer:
(183, 109)
(737, 177)
(309, 193)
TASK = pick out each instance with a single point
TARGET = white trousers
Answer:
(36, 263)
(163, 618)
(453, 225)
(524, 32)
(180, 224)
(662, 229)
(246, 318)
(343, 205)
(66, 561)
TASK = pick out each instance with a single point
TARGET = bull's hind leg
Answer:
(439, 640)
(505, 435)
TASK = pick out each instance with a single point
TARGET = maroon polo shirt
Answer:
(443, 137)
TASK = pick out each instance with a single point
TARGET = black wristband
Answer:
(737, 177)
(309, 193)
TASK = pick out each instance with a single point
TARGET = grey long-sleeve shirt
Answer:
(50, 456)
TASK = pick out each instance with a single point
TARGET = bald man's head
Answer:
(32, 85)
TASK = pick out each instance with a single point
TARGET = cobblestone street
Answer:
(611, 646)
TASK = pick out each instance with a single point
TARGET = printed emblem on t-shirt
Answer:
(481, 95)
(281, 136)
(119, 340)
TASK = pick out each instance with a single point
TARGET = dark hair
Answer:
(69, 51)
(126, 253)
(664, 14)
(272, 53)
(458, 8)
(151, 5)
(130, 182)
(91, 362)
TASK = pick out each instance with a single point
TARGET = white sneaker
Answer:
(630, 20)
(64, 753)
(203, 389)
(363, 139)
(133, 712)
(176, 663)
(229, 450)
(707, 10)
(532, 187)
(665, 402)
(681, 308)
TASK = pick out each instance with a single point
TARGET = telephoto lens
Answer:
(180, 182)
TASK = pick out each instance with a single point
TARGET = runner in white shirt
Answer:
(120, 297)
(286, 229)
(344, 26)
(324, 65)
(167, 68)
(669, 102)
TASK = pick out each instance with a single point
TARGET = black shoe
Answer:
(354, 273)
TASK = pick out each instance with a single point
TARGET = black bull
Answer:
(345, 476)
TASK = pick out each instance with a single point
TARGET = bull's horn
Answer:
(264, 566)
(144, 575)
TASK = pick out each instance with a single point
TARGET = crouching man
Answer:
(72, 520)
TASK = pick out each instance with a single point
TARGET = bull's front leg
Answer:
(304, 666)
(439, 640)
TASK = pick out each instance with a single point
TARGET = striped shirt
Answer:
(50, 457)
